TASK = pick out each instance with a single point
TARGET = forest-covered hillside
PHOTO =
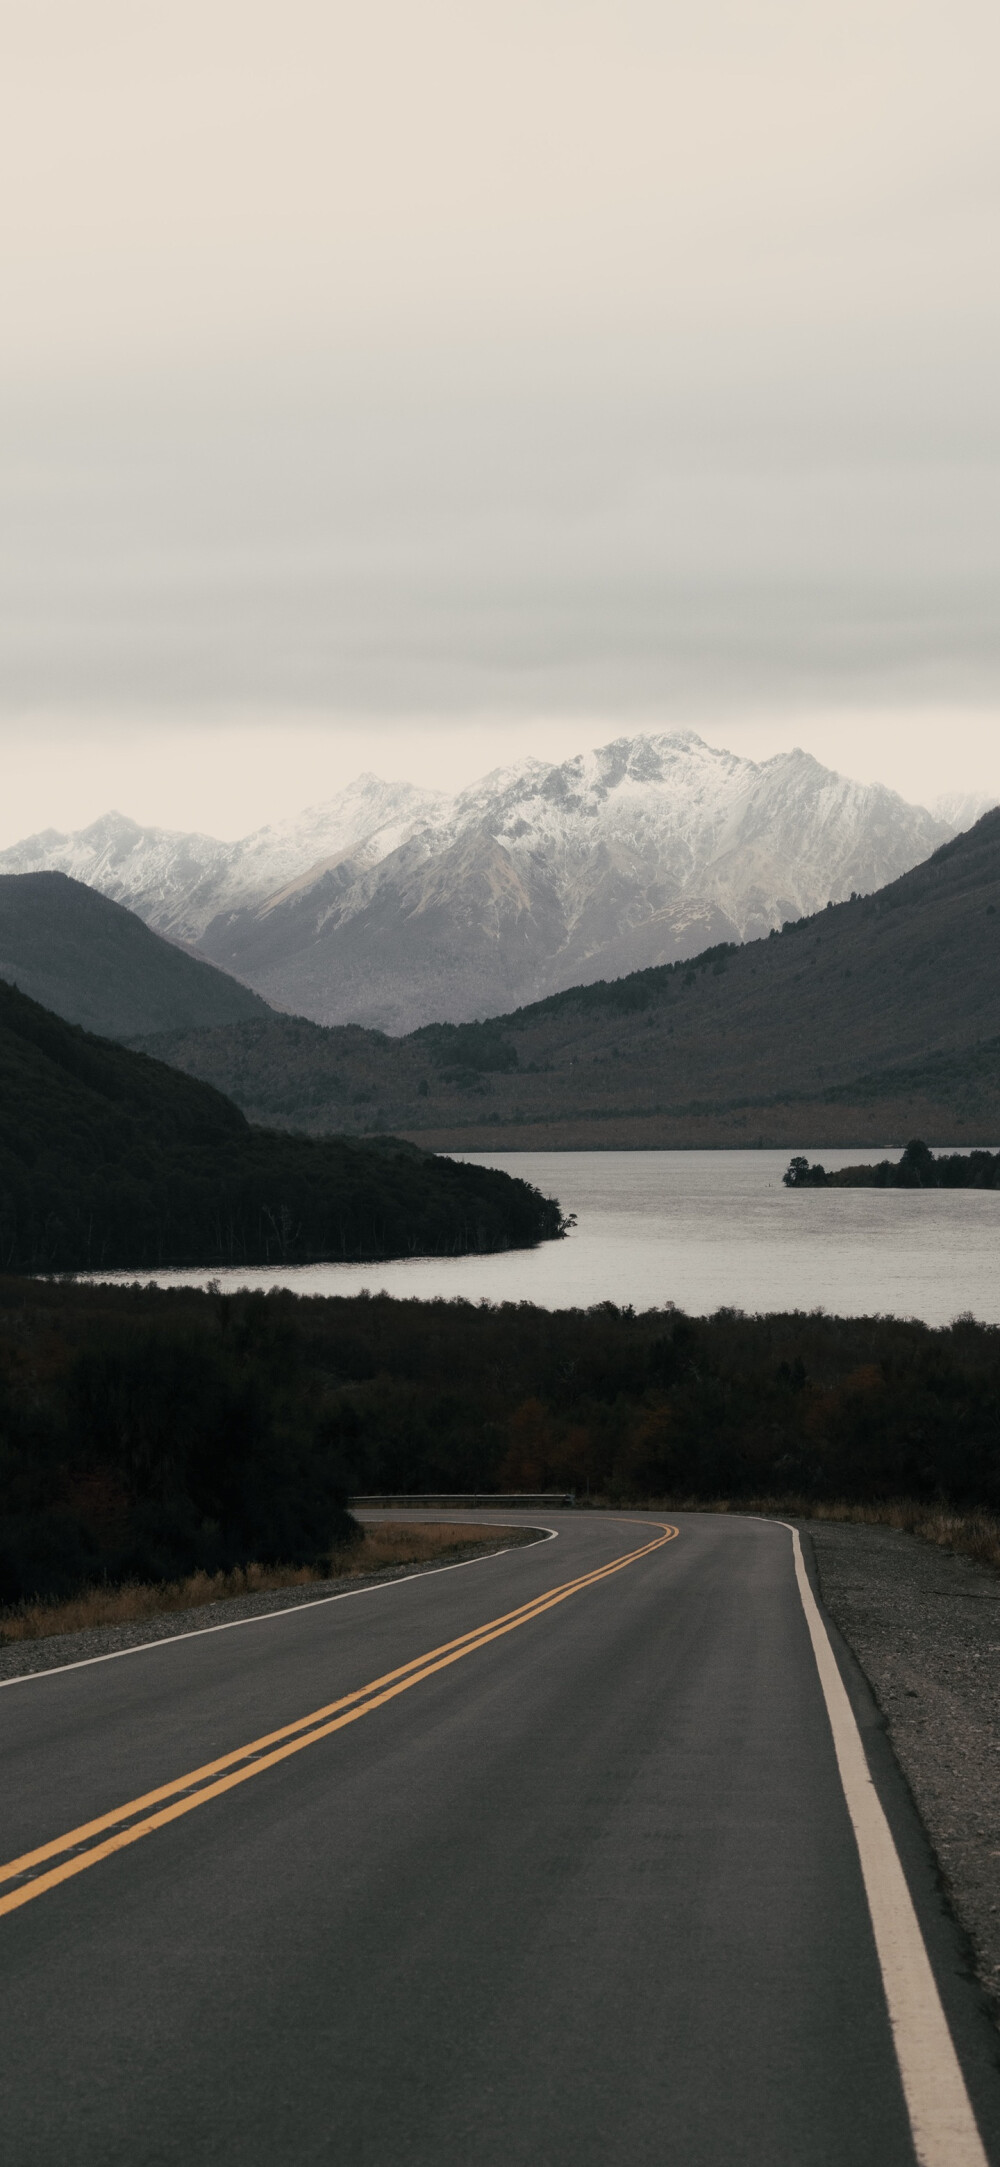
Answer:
(94, 963)
(109, 1159)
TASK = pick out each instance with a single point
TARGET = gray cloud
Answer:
(604, 358)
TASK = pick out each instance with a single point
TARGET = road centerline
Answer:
(76, 1852)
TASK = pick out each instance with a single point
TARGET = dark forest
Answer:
(148, 1432)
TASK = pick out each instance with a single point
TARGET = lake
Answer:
(703, 1229)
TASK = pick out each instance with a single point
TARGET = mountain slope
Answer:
(873, 1018)
(99, 965)
(391, 907)
(111, 1160)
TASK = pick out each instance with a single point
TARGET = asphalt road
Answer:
(580, 1889)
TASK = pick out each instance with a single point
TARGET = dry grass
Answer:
(973, 1534)
(970, 1534)
(390, 1543)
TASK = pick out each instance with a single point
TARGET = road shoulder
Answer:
(924, 1626)
(28, 1658)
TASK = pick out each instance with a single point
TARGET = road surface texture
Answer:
(568, 1857)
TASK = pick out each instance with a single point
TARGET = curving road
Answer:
(545, 1859)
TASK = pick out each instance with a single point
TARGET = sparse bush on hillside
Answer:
(482, 1048)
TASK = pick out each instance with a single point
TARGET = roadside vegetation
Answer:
(150, 1434)
(967, 1534)
(379, 1549)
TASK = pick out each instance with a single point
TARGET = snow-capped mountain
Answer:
(180, 883)
(392, 906)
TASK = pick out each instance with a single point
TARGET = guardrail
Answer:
(421, 1498)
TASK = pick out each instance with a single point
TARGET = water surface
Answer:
(703, 1229)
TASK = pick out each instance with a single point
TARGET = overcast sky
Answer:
(416, 384)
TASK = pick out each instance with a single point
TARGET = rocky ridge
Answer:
(392, 906)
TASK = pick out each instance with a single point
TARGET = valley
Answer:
(872, 1019)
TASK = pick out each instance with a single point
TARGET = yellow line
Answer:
(464, 1643)
(321, 1724)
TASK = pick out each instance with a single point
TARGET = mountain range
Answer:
(873, 1020)
(392, 907)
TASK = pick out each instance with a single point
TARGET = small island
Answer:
(916, 1169)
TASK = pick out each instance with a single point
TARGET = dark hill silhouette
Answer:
(97, 964)
(111, 1160)
(875, 1019)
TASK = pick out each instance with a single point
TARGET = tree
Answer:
(800, 1175)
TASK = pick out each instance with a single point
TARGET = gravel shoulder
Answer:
(23, 1658)
(925, 1628)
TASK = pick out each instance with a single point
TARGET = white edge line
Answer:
(266, 1617)
(942, 2122)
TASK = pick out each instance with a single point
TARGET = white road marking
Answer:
(941, 2118)
(266, 1617)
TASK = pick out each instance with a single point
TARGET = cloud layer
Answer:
(533, 359)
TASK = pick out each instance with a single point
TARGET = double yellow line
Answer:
(79, 1848)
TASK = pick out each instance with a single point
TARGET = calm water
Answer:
(703, 1229)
